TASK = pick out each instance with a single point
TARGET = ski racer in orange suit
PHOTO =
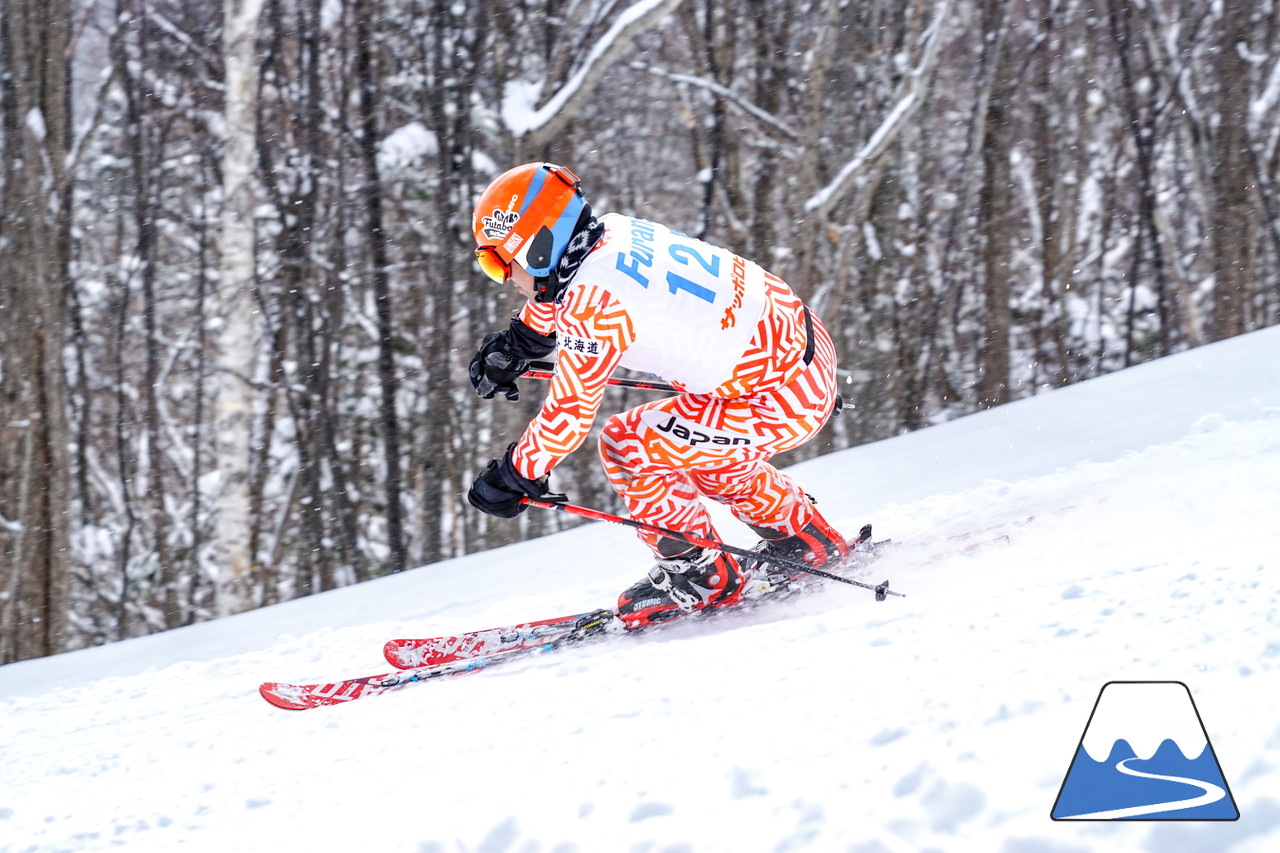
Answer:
(754, 366)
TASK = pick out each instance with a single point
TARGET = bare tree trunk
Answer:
(932, 335)
(1055, 209)
(196, 520)
(267, 574)
(1231, 227)
(771, 64)
(995, 211)
(239, 334)
(34, 483)
(450, 53)
(126, 465)
(1141, 125)
(137, 96)
(381, 289)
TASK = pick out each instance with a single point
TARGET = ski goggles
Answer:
(540, 210)
(492, 265)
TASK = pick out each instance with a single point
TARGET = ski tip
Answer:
(284, 696)
(410, 654)
(393, 651)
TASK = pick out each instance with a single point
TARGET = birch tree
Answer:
(238, 334)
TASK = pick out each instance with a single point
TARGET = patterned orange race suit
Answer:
(757, 377)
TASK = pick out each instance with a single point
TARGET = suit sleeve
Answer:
(593, 331)
(539, 317)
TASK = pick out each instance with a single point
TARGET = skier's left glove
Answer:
(503, 356)
(499, 489)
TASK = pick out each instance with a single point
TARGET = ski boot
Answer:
(675, 586)
(817, 545)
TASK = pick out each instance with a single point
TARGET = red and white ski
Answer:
(435, 651)
(432, 658)
(427, 659)
(302, 697)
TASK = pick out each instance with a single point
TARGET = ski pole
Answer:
(881, 589)
(543, 370)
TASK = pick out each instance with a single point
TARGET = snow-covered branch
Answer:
(538, 124)
(1268, 98)
(729, 95)
(826, 197)
(907, 102)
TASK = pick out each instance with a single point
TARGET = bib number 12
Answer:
(688, 256)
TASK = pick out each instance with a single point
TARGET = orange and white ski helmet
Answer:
(527, 215)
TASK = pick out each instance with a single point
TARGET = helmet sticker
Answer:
(499, 223)
(513, 243)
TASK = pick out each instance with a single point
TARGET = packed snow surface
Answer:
(1142, 517)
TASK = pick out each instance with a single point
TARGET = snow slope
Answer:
(943, 721)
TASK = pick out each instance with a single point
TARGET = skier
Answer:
(755, 368)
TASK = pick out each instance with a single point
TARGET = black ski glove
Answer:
(503, 356)
(499, 489)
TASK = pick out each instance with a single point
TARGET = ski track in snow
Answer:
(943, 721)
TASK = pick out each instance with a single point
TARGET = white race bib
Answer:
(694, 306)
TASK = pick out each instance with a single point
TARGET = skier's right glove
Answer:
(499, 489)
(503, 356)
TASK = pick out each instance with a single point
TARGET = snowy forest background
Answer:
(239, 299)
